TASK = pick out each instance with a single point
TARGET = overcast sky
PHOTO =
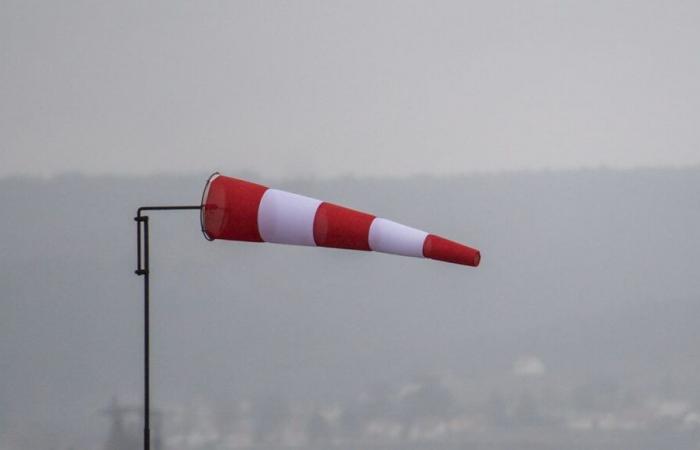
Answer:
(364, 88)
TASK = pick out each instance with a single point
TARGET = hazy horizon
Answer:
(254, 175)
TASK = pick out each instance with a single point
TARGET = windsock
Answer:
(239, 210)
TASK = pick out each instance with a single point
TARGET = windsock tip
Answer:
(437, 247)
(477, 259)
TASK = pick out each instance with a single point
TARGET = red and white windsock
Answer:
(239, 210)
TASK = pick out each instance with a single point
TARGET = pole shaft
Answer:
(146, 343)
(143, 268)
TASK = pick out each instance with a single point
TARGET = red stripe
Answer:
(436, 247)
(340, 227)
(231, 209)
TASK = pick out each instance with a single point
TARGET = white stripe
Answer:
(391, 237)
(287, 218)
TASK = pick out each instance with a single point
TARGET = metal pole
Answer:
(142, 244)
(146, 342)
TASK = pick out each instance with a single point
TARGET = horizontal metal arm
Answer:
(141, 219)
(166, 208)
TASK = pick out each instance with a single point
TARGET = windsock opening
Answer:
(205, 194)
(230, 209)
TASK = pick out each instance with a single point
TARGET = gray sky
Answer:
(364, 88)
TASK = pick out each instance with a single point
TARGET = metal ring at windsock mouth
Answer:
(203, 206)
